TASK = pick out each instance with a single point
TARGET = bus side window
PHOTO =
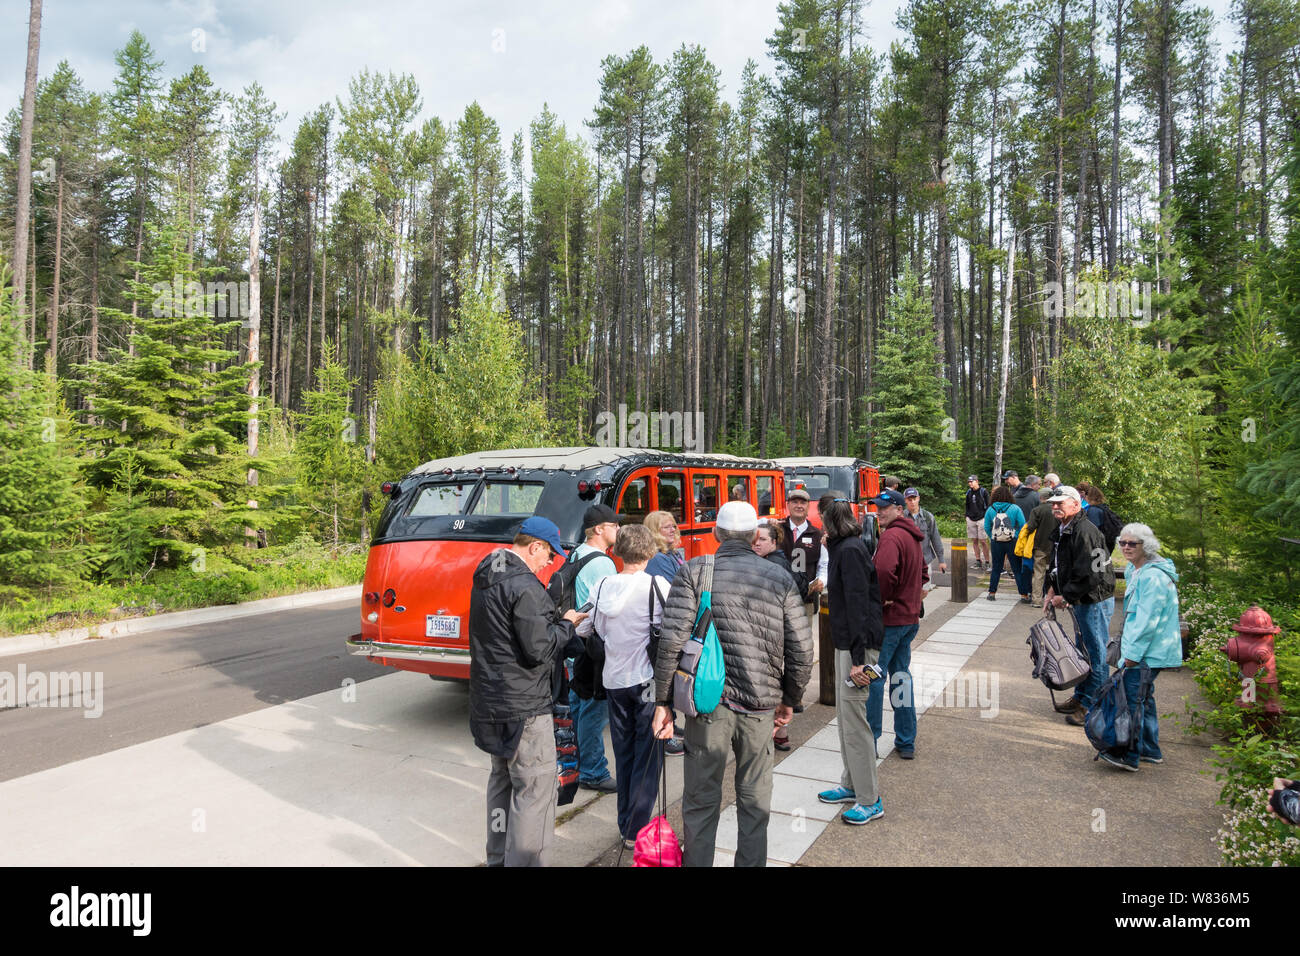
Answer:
(635, 502)
(706, 498)
(671, 497)
(765, 489)
(738, 488)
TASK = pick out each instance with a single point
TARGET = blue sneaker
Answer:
(1145, 759)
(858, 814)
(837, 795)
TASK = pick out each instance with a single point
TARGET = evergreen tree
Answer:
(41, 503)
(1130, 423)
(469, 392)
(906, 414)
(1275, 476)
(332, 471)
(174, 406)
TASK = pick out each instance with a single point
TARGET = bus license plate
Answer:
(442, 625)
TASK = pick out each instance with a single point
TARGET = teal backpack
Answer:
(701, 674)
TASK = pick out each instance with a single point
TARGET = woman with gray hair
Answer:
(1150, 637)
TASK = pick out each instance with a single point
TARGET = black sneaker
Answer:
(608, 785)
(675, 747)
(1117, 762)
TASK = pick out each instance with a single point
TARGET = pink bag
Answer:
(656, 845)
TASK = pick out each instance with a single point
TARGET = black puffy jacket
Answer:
(1084, 573)
(515, 636)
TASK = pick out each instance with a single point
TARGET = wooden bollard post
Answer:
(826, 657)
(958, 592)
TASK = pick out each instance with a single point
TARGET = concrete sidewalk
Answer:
(1022, 788)
(1004, 785)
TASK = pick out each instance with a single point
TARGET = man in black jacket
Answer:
(977, 502)
(1082, 577)
(1022, 495)
(515, 637)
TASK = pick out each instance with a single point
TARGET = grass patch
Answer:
(227, 578)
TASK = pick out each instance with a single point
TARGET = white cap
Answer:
(737, 516)
(1065, 492)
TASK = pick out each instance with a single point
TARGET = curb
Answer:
(24, 643)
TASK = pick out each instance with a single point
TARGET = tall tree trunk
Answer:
(254, 322)
(53, 361)
(1081, 198)
(311, 292)
(22, 219)
(1005, 367)
(1112, 248)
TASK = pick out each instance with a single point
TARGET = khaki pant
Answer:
(521, 799)
(1040, 578)
(857, 741)
(708, 739)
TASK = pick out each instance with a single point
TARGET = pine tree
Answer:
(1275, 478)
(1130, 422)
(906, 412)
(175, 407)
(332, 470)
(41, 503)
(469, 392)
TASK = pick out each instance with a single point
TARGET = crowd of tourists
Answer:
(764, 587)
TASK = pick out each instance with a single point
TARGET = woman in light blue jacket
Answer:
(1151, 634)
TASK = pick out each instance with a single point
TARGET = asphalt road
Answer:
(163, 682)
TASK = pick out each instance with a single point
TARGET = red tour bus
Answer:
(855, 477)
(447, 514)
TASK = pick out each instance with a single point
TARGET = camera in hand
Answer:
(872, 669)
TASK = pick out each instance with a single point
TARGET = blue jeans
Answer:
(895, 658)
(1094, 625)
(1027, 577)
(1001, 550)
(1149, 745)
(589, 720)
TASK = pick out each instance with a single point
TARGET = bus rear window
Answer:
(435, 500)
(508, 498)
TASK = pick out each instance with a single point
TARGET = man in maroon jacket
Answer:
(901, 571)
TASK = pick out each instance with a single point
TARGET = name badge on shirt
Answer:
(805, 540)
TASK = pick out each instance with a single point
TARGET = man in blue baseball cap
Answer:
(515, 636)
(901, 574)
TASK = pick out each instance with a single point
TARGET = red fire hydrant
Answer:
(1252, 649)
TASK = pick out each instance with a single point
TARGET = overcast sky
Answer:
(510, 55)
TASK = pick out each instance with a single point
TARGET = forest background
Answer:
(1038, 235)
